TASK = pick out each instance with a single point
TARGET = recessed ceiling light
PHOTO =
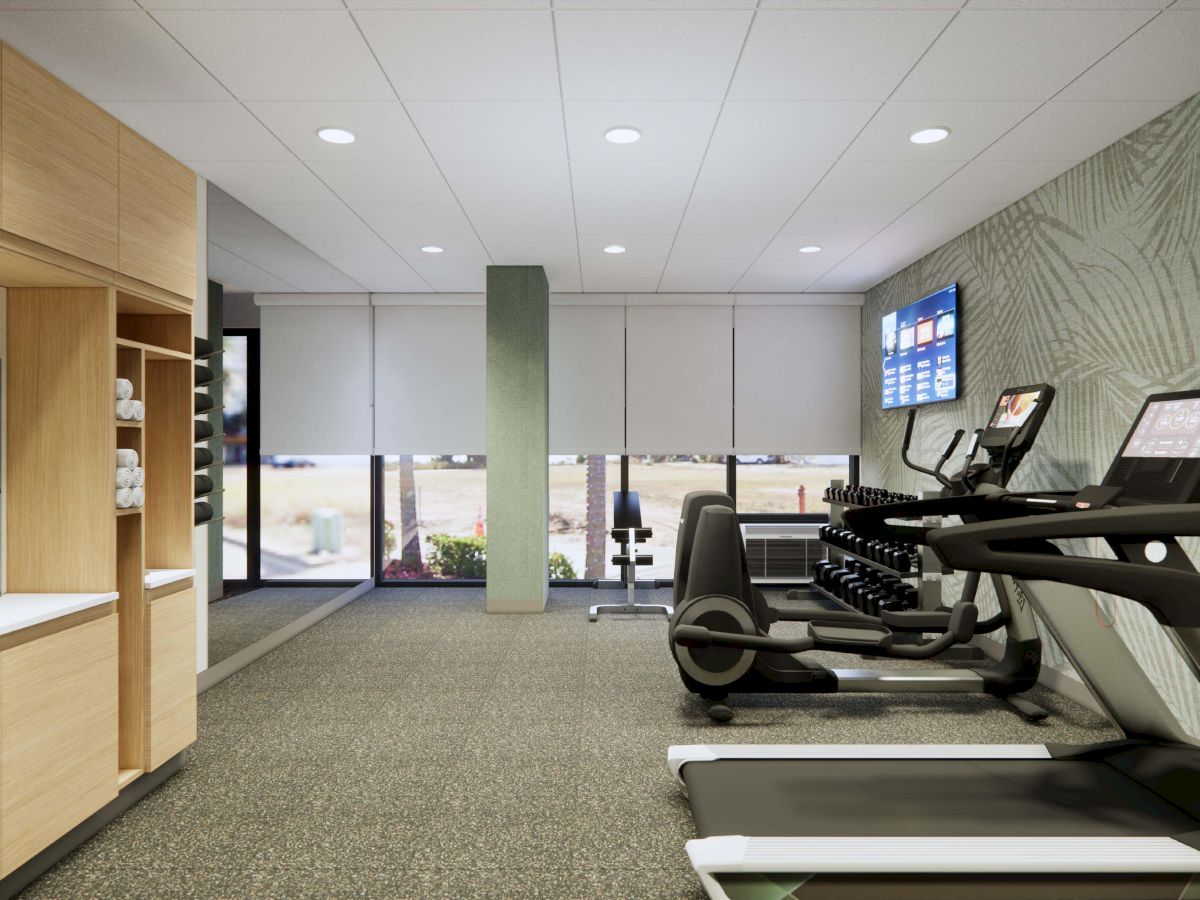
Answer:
(336, 135)
(614, 248)
(809, 248)
(433, 248)
(929, 135)
(623, 134)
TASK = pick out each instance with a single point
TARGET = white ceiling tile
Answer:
(242, 4)
(735, 218)
(854, 181)
(238, 275)
(71, 4)
(492, 130)
(1073, 131)
(854, 54)
(858, 273)
(302, 219)
(347, 246)
(255, 182)
(726, 181)
(109, 55)
(780, 130)
(200, 130)
(629, 218)
(511, 248)
(743, 247)
(507, 181)
(518, 217)
(1015, 54)
(928, 226)
(783, 275)
(705, 275)
(384, 275)
(973, 126)
(1068, 4)
(271, 55)
(390, 181)
(654, 54)
(655, 4)
(638, 246)
(455, 275)
(996, 182)
(400, 219)
(227, 221)
(448, 4)
(617, 275)
(866, 4)
(465, 55)
(1160, 62)
(292, 261)
(381, 127)
(671, 130)
(454, 246)
(563, 275)
(611, 181)
(833, 226)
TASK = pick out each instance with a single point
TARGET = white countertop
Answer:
(19, 611)
(156, 578)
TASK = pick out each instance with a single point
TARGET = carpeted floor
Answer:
(237, 622)
(412, 746)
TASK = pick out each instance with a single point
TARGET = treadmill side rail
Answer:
(681, 754)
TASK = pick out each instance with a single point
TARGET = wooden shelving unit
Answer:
(151, 351)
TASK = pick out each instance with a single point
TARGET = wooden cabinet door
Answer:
(58, 736)
(170, 676)
(157, 218)
(58, 164)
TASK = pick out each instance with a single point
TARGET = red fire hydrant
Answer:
(800, 497)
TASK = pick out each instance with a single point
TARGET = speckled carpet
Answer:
(412, 746)
(237, 622)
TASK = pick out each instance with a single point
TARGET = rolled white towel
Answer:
(124, 478)
(126, 459)
(124, 498)
(124, 389)
(139, 476)
(139, 410)
(139, 497)
(124, 410)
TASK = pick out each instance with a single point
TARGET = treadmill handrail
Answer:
(1172, 595)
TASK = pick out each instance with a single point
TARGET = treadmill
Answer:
(1119, 819)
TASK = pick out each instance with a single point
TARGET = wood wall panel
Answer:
(58, 736)
(61, 526)
(171, 681)
(157, 225)
(168, 461)
(131, 575)
(58, 164)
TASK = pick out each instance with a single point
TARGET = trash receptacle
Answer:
(327, 530)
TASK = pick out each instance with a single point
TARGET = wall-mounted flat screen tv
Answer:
(920, 351)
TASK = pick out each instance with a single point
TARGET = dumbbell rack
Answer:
(927, 575)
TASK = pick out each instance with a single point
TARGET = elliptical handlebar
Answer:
(936, 471)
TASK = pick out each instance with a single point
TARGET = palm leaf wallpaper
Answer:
(1091, 283)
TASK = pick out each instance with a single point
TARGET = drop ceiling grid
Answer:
(753, 139)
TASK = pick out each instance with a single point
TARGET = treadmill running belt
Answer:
(924, 798)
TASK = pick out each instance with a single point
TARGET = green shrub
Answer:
(458, 557)
(560, 567)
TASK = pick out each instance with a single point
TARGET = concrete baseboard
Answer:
(260, 648)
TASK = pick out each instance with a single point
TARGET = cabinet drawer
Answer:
(170, 676)
(58, 736)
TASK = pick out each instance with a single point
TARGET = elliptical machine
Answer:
(718, 603)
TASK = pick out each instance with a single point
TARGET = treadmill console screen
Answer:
(1167, 429)
(1159, 461)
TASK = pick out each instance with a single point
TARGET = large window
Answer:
(434, 518)
(235, 395)
(661, 483)
(787, 485)
(316, 517)
(581, 489)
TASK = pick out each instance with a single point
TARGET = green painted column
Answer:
(518, 438)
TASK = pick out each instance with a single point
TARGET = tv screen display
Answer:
(920, 351)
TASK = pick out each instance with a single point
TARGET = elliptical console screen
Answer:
(1168, 429)
(1013, 410)
(920, 351)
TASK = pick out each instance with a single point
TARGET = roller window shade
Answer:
(430, 379)
(679, 379)
(316, 379)
(587, 379)
(797, 379)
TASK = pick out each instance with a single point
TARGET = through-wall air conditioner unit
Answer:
(782, 553)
